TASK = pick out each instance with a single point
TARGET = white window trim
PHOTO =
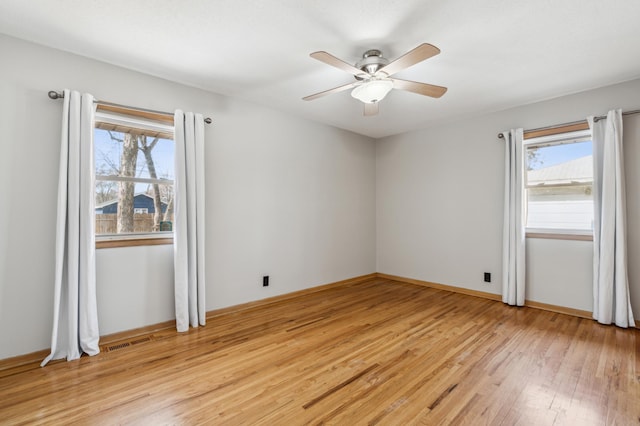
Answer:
(130, 121)
(134, 236)
(568, 137)
(114, 178)
(549, 140)
(559, 231)
(569, 235)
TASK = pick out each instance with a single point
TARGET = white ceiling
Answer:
(495, 53)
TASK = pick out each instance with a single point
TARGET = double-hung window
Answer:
(558, 183)
(134, 166)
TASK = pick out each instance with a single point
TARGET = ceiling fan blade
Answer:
(370, 109)
(412, 57)
(419, 88)
(329, 59)
(330, 91)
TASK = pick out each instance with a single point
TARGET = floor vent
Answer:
(128, 343)
(118, 346)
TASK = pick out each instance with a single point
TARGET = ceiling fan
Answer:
(373, 76)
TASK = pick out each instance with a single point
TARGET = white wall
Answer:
(135, 292)
(286, 197)
(439, 202)
(559, 272)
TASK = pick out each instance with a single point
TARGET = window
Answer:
(134, 166)
(558, 183)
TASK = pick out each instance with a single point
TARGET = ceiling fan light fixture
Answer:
(373, 90)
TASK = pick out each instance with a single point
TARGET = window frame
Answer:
(549, 137)
(164, 124)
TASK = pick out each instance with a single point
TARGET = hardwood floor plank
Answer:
(372, 352)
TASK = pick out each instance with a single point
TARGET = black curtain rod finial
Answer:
(55, 95)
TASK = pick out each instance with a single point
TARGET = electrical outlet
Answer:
(265, 281)
(487, 277)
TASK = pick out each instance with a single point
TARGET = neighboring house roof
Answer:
(579, 170)
(115, 200)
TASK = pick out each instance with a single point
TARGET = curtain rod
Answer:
(58, 95)
(601, 117)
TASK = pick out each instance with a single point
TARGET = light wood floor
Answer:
(379, 352)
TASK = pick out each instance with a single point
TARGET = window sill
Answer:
(559, 235)
(133, 241)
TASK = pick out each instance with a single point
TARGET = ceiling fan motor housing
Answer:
(372, 60)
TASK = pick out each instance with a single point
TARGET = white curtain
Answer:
(513, 235)
(75, 316)
(611, 301)
(189, 221)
